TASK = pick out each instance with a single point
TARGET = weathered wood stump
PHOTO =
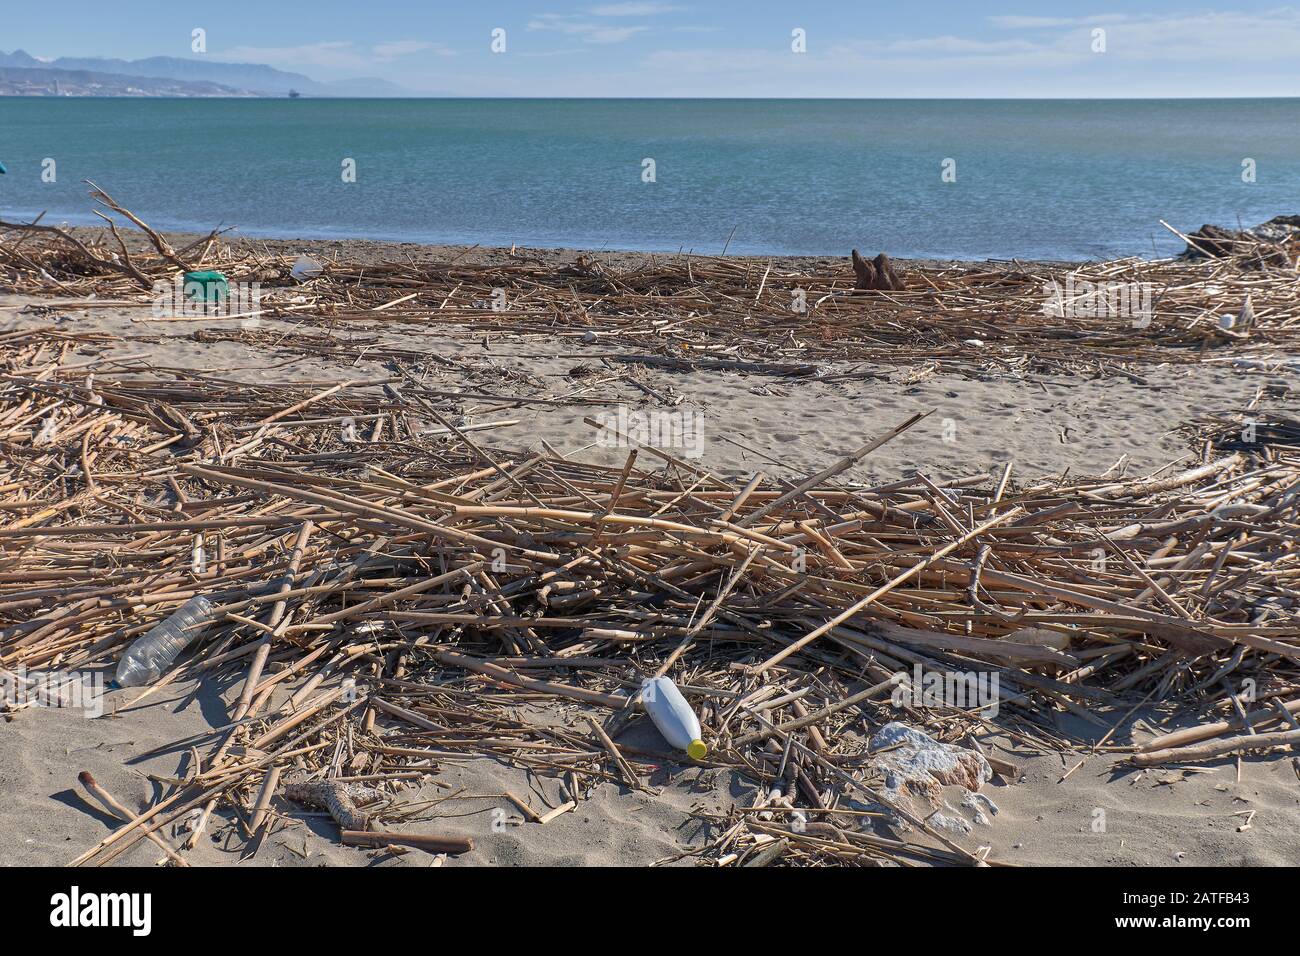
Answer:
(1218, 243)
(878, 275)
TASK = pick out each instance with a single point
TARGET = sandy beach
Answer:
(533, 391)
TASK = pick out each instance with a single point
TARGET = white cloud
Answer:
(589, 28)
(633, 9)
(1232, 39)
(1226, 39)
(586, 30)
(398, 48)
(1229, 37)
(573, 51)
(1029, 23)
(334, 54)
(1195, 54)
(951, 45)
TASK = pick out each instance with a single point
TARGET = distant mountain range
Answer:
(23, 81)
(171, 76)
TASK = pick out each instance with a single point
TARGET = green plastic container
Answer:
(206, 287)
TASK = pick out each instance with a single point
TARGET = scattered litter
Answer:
(305, 268)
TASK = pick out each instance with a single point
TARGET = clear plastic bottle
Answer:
(673, 716)
(150, 655)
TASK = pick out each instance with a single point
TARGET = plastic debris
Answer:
(209, 286)
(673, 716)
(305, 268)
(149, 656)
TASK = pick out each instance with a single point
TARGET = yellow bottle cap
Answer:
(697, 750)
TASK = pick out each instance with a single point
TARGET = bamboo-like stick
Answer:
(429, 843)
(122, 813)
(1219, 748)
(884, 589)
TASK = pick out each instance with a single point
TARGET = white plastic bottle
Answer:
(673, 716)
(149, 656)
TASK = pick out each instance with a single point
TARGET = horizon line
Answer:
(733, 99)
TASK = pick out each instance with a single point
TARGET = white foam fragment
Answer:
(912, 760)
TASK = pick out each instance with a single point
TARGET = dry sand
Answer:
(1045, 425)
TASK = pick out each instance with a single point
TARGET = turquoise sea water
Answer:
(1034, 178)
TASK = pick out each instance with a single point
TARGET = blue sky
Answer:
(868, 48)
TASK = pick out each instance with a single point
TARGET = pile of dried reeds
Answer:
(413, 588)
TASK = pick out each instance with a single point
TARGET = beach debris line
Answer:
(389, 605)
(684, 312)
(392, 594)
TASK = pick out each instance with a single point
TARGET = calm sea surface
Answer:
(1038, 179)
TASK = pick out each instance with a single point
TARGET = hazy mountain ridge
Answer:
(46, 81)
(238, 78)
